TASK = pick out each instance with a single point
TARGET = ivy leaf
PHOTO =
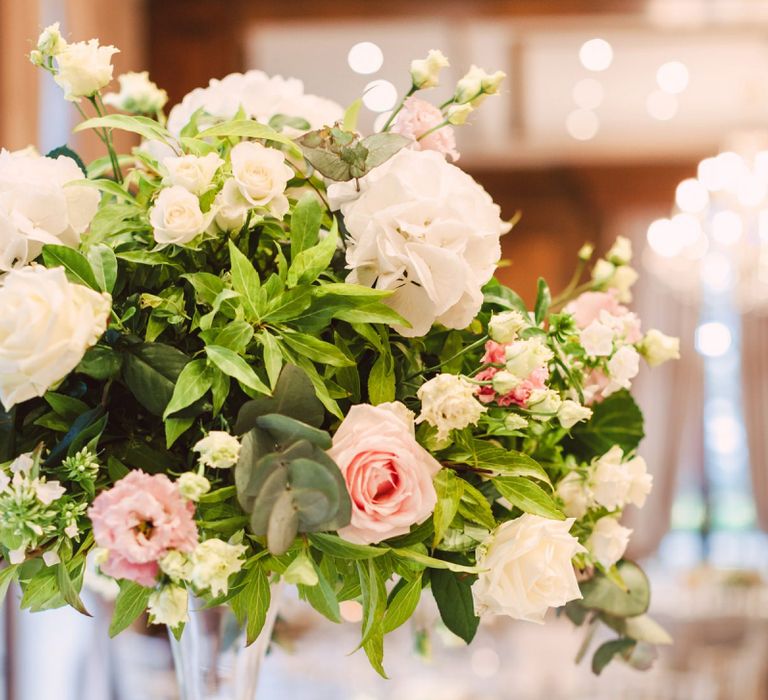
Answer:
(453, 595)
(528, 496)
(131, 602)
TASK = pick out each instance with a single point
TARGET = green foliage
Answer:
(602, 594)
(608, 650)
(130, 603)
(615, 421)
(453, 595)
(528, 496)
(75, 264)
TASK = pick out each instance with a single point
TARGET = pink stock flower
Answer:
(521, 394)
(138, 521)
(485, 393)
(595, 384)
(417, 117)
(495, 353)
(605, 308)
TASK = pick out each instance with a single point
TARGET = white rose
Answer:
(525, 356)
(262, 174)
(448, 403)
(621, 251)
(213, 562)
(176, 565)
(83, 68)
(231, 207)
(193, 173)
(176, 216)
(526, 568)
(425, 72)
(424, 229)
(572, 412)
(608, 541)
(46, 326)
(168, 606)
(192, 485)
(611, 480)
(641, 482)
(575, 495)
(597, 339)
(657, 348)
(622, 368)
(138, 94)
(37, 206)
(504, 327)
(218, 450)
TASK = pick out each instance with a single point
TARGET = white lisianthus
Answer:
(213, 562)
(602, 270)
(231, 207)
(435, 249)
(614, 484)
(476, 84)
(458, 114)
(176, 565)
(515, 422)
(575, 495)
(138, 94)
(657, 348)
(597, 339)
(544, 403)
(503, 382)
(425, 72)
(525, 568)
(168, 606)
(617, 277)
(193, 173)
(448, 403)
(46, 325)
(621, 251)
(504, 327)
(641, 482)
(218, 450)
(83, 68)
(608, 541)
(50, 42)
(262, 174)
(525, 356)
(38, 206)
(301, 570)
(176, 217)
(572, 412)
(622, 368)
(193, 485)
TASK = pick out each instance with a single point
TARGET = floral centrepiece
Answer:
(265, 346)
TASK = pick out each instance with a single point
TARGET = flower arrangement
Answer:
(264, 346)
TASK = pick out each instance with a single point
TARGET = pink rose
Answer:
(388, 474)
(138, 521)
(605, 308)
(417, 117)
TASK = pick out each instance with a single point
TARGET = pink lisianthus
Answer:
(417, 117)
(138, 521)
(521, 394)
(495, 353)
(485, 393)
(605, 308)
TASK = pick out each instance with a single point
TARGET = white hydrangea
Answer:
(608, 541)
(218, 450)
(213, 562)
(448, 403)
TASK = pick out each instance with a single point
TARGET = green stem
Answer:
(461, 352)
(101, 110)
(396, 111)
(433, 129)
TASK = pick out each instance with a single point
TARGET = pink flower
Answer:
(485, 394)
(605, 308)
(417, 117)
(521, 394)
(495, 353)
(595, 384)
(138, 521)
(388, 474)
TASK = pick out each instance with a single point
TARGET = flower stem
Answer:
(461, 352)
(397, 109)
(433, 129)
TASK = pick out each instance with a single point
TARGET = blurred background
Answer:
(641, 118)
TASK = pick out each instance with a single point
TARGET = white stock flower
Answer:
(176, 216)
(83, 68)
(657, 348)
(193, 173)
(572, 412)
(424, 229)
(544, 403)
(218, 450)
(192, 485)
(622, 368)
(575, 494)
(213, 562)
(504, 327)
(597, 339)
(525, 568)
(262, 174)
(621, 251)
(425, 72)
(168, 606)
(641, 482)
(231, 207)
(525, 356)
(608, 541)
(448, 403)
(36, 206)
(138, 94)
(46, 325)
(176, 565)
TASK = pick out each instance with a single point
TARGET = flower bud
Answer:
(585, 252)
(192, 485)
(621, 251)
(657, 348)
(458, 114)
(504, 327)
(504, 382)
(425, 72)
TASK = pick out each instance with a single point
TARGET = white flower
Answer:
(46, 325)
(138, 94)
(503, 382)
(526, 568)
(424, 229)
(448, 403)
(50, 42)
(213, 562)
(575, 494)
(168, 606)
(622, 368)
(585, 252)
(618, 277)
(515, 422)
(458, 114)
(218, 450)
(176, 565)
(301, 570)
(476, 84)
(657, 348)
(47, 491)
(262, 174)
(525, 356)
(192, 485)
(641, 482)
(608, 541)
(621, 251)
(51, 557)
(231, 207)
(425, 72)
(545, 403)
(17, 556)
(615, 484)
(603, 270)
(597, 339)
(504, 327)
(37, 208)
(260, 96)
(193, 173)
(176, 217)
(83, 68)
(572, 412)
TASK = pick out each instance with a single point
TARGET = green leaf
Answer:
(106, 186)
(288, 305)
(68, 590)
(236, 367)
(305, 224)
(65, 406)
(432, 562)
(280, 121)
(605, 653)
(254, 599)
(615, 421)
(474, 506)
(600, 593)
(100, 362)
(315, 349)
(322, 597)
(150, 371)
(245, 281)
(381, 380)
(645, 629)
(337, 547)
(381, 147)
(76, 265)
(351, 114)
(403, 605)
(273, 358)
(374, 599)
(502, 462)
(104, 265)
(8, 575)
(192, 384)
(235, 335)
(453, 595)
(309, 263)
(130, 603)
(527, 496)
(249, 129)
(175, 428)
(148, 257)
(143, 126)
(449, 489)
(543, 300)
